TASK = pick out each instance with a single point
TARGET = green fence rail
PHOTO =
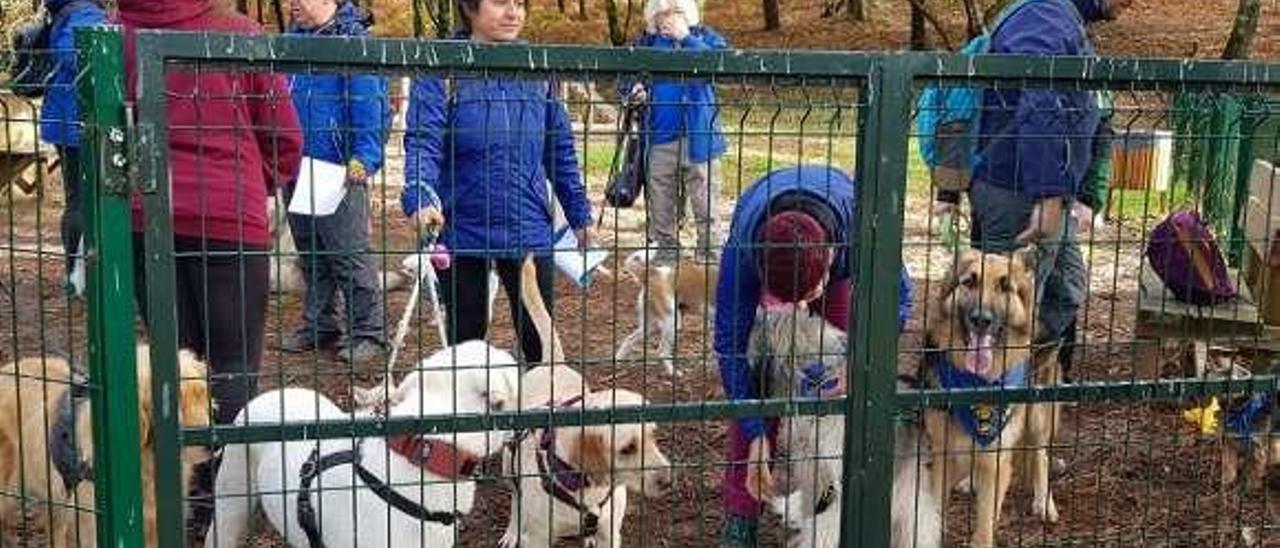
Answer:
(852, 109)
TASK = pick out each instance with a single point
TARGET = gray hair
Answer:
(692, 14)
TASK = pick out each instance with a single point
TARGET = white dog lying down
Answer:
(368, 491)
(577, 477)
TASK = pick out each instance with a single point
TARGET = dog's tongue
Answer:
(978, 359)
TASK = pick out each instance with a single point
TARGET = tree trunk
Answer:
(617, 34)
(857, 9)
(974, 24)
(1241, 40)
(560, 4)
(242, 6)
(582, 10)
(919, 35)
(279, 16)
(772, 19)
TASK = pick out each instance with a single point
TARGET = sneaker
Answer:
(306, 340)
(739, 532)
(363, 351)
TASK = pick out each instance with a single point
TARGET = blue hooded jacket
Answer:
(1038, 141)
(486, 149)
(59, 114)
(343, 116)
(738, 291)
(686, 107)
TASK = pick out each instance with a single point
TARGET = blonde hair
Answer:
(692, 14)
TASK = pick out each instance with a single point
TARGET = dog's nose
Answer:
(981, 319)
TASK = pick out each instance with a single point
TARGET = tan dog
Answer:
(1246, 421)
(981, 328)
(34, 394)
(666, 293)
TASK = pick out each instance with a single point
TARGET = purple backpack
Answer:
(1185, 255)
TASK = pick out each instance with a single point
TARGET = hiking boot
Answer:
(739, 532)
(363, 351)
(307, 340)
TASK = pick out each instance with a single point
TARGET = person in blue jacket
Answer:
(344, 119)
(788, 242)
(60, 117)
(1037, 147)
(479, 152)
(683, 134)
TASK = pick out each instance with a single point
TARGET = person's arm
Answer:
(367, 104)
(905, 295)
(423, 143)
(737, 296)
(561, 164)
(708, 39)
(276, 130)
(1093, 193)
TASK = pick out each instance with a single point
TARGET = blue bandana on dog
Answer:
(1239, 423)
(983, 421)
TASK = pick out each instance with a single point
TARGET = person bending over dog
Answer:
(787, 243)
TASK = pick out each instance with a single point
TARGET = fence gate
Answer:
(1135, 472)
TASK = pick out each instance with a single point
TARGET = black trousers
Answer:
(72, 222)
(464, 292)
(221, 297)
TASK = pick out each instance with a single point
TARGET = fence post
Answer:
(109, 249)
(877, 261)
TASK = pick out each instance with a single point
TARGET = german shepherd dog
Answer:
(979, 334)
(798, 354)
(1249, 437)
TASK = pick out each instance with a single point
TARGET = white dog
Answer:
(572, 481)
(666, 294)
(405, 491)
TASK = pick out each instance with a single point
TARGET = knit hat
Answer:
(795, 257)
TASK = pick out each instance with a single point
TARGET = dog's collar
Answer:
(438, 457)
(63, 451)
(317, 464)
(1240, 421)
(984, 422)
(566, 483)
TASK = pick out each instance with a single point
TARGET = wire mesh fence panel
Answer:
(1125, 355)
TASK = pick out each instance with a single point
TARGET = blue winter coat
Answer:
(1039, 141)
(59, 114)
(738, 291)
(686, 107)
(344, 116)
(486, 148)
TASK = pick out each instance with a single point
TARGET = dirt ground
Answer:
(1138, 475)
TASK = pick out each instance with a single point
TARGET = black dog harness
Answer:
(63, 451)
(318, 464)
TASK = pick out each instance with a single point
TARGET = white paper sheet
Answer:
(321, 187)
(575, 263)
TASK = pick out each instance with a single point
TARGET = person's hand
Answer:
(429, 218)
(586, 237)
(674, 26)
(638, 93)
(1084, 217)
(1046, 220)
(356, 173)
(759, 478)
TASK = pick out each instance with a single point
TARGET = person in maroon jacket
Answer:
(233, 138)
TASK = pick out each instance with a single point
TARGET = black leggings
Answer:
(464, 291)
(222, 305)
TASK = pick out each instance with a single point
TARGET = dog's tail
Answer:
(552, 352)
(916, 512)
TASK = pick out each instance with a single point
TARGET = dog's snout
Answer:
(981, 319)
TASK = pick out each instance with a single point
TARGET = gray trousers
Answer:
(999, 215)
(675, 181)
(333, 252)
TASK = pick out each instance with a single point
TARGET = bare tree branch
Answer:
(933, 21)
(1241, 41)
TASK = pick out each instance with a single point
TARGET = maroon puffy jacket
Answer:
(233, 136)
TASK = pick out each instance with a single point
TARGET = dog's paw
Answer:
(369, 398)
(509, 540)
(965, 487)
(671, 368)
(1046, 509)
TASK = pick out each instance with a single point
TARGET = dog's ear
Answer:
(1026, 256)
(591, 454)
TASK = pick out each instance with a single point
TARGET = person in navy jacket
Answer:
(682, 133)
(479, 152)
(344, 119)
(1036, 147)
(60, 117)
(788, 242)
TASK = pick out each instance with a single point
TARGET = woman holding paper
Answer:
(344, 118)
(479, 152)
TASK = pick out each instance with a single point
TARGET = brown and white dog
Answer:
(666, 294)
(980, 335)
(1248, 434)
(46, 444)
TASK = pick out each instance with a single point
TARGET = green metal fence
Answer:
(1135, 474)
